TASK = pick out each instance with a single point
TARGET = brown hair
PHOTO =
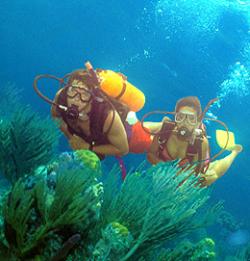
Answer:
(190, 101)
(81, 75)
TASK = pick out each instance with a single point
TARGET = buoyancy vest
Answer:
(97, 116)
(192, 149)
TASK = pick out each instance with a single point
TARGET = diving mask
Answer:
(82, 92)
(190, 117)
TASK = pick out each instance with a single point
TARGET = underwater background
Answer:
(168, 49)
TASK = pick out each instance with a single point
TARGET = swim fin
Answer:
(221, 138)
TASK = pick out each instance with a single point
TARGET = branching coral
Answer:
(115, 242)
(26, 141)
(201, 251)
(10, 99)
(155, 208)
(31, 214)
(129, 222)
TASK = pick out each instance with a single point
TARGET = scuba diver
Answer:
(96, 111)
(92, 107)
(185, 138)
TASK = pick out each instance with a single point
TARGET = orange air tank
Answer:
(116, 85)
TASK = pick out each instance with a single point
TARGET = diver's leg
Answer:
(155, 126)
(219, 167)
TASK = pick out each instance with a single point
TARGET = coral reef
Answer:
(154, 208)
(62, 212)
(201, 251)
(228, 221)
(115, 242)
(34, 210)
(64, 208)
(10, 99)
(26, 142)
(88, 158)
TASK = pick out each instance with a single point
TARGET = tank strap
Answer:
(97, 115)
(124, 87)
(192, 150)
(165, 131)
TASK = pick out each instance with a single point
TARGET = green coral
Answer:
(51, 207)
(64, 200)
(10, 99)
(89, 159)
(155, 208)
(31, 215)
(204, 250)
(242, 254)
(115, 242)
(26, 142)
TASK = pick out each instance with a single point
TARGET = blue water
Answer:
(168, 49)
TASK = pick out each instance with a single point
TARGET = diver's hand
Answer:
(166, 119)
(207, 179)
(77, 143)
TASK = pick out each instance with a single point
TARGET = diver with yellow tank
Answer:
(93, 108)
(185, 138)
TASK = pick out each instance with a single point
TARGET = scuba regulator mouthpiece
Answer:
(184, 133)
(73, 112)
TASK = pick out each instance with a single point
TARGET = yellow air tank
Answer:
(117, 86)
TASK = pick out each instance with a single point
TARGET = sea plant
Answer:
(36, 210)
(156, 206)
(26, 141)
(204, 250)
(61, 213)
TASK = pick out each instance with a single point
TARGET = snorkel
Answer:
(198, 132)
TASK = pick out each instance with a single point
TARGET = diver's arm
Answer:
(155, 127)
(152, 155)
(116, 135)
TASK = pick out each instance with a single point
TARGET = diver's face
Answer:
(187, 118)
(78, 94)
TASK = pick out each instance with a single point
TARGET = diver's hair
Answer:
(81, 75)
(190, 101)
